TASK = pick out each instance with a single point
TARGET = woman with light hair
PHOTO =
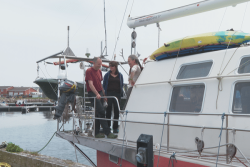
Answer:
(134, 73)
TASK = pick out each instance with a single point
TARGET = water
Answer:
(33, 130)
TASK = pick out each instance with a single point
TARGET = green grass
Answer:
(13, 148)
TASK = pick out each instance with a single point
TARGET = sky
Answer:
(31, 30)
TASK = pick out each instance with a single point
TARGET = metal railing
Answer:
(168, 114)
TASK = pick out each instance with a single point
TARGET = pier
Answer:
(30, 107)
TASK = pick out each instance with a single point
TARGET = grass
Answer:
(31, 152)
(13, 148)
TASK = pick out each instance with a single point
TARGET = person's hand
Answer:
(105, 99)
(132, 83)
(98, 96)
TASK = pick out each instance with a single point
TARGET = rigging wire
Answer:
(177, 57)
(48, 82)
(244, 17)
(131, 8)
(46, 69)
(120, 30)
(222, 18)
(87, 17)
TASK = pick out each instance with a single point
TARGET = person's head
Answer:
(97, 63)
(113, 67)
(132, 60)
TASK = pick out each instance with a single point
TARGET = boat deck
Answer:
(115, 147)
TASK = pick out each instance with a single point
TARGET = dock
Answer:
(30, 107)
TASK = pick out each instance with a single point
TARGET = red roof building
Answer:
(21, 91)
(4, 90)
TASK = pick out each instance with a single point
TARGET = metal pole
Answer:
(227, 158)
(95, 115)
(105, 29)
(58, 91)
(168, 134)
(84, 83)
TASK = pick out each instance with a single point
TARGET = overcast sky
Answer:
(31, 30)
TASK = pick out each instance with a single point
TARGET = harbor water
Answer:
(33, 130)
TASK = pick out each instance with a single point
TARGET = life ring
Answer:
(3, 164)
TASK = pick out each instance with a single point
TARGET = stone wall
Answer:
(27, 160)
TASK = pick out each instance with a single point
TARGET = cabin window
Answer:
(241, 99)
(187, 98)
(195, 70)
(244, 65)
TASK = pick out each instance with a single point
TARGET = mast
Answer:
(191, 9)
(105, 29)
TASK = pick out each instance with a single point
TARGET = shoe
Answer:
(112, 136)
(100, 135)
(115, 131)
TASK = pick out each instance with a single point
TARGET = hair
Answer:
(114, 63)
(95, 59)
(134, 57)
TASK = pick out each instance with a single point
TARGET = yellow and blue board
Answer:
(201, 43)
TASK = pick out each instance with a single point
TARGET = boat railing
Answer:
(168, 115)
(123, 113)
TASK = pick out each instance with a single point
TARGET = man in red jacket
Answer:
(94, 87)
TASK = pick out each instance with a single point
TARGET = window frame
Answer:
(230, 110)
(242, 57)
(187, 84)
(192, 63)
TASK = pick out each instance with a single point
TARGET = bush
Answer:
(13, 148)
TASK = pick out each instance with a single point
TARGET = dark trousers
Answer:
(128, 95)
(99, 113)
(111, 102)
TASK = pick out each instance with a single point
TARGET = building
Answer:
(21, 91)
(4, 90)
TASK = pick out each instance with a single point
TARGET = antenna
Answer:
(68, 36)
(105, 29)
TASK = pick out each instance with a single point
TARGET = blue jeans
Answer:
(99, 113)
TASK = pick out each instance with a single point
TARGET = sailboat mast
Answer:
(105, 28)
(68, 36)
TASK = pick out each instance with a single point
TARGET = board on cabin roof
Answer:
(201, 43)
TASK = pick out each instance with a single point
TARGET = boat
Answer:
(201, 43)
(195, 115)
(3, 104)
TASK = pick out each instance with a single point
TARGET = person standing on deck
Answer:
(134, 73)
(113, 86)
(94, 87)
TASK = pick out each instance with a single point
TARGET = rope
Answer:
(75, 153)
(177, 57)
(243, 17)
(124, 136)
(220, 79)
(240, 161)
(119, 30)
(239, 67)
(222, 118)
(49, 140)
(229, 60)
(165, 113)
(222, 19)
(171, 159)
